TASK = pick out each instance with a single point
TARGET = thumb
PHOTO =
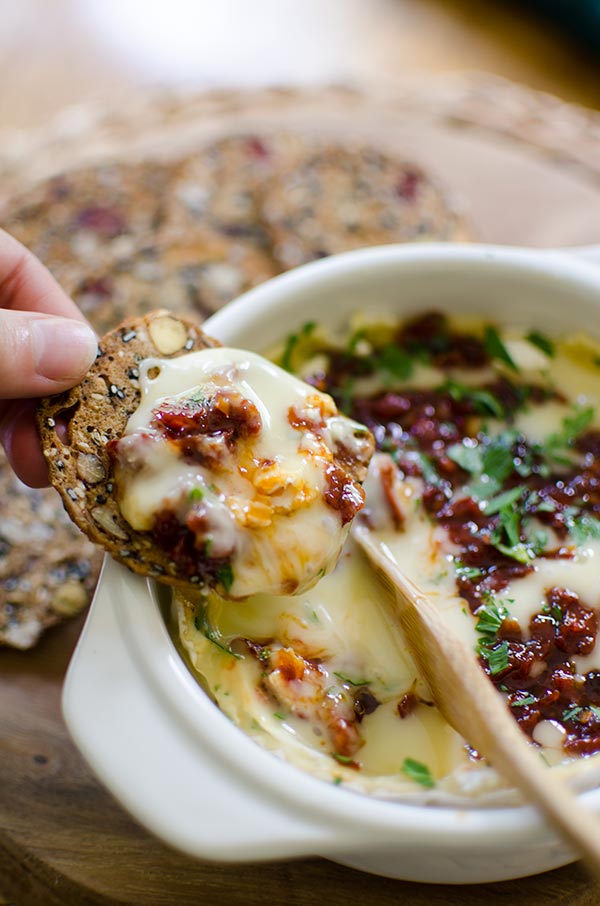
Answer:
(41, 354)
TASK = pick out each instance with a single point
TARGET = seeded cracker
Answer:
(339, 198)
(48, 569)
(97, 410)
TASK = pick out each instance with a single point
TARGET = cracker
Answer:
(224, 184)
(126, 239)
(96, 411)
(91, 218)
(48, 569)
(340, 198)
(194, 275)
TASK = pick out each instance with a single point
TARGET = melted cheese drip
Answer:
(345, 619)
(279, 547)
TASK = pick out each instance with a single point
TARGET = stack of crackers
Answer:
(189, 236)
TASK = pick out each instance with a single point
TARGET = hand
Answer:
(46, 346)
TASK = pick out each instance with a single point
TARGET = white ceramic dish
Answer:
(164, 749)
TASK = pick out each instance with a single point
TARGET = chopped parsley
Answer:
(226, 577)
(490, 617)
(394, 362)
(581, 526)
(351, 681)
(484, 402)
(292, 342)
(503, 501)
(496, 349)
(490, 461)
(196, 494)
(506, 535)
(278, 715)
(521, 702)
(542, 342)
(355, 339)
(418, 772)
(495, 656)
(579, 712)
(427, 468)
(467, 456)
(202, 624)
(343, 759)
(345, 394)
(467, 572)
(556, 444)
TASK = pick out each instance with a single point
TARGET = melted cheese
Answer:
(269, 508)
(345, 616)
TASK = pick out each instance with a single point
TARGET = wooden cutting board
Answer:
(526, 169)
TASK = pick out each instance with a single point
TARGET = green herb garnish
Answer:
(503, 501)
(490, 617)
(292, 342)
(196, 494)
(489, 462)
(344, 394)
(226, 577)
(542, 342)
(484, 402)
(581, 526)
(355, 339)
(418, 772)
(350, 681)
(498, 459)
(496, 349)
(343, 759)
(496, 657)
(467, 456)
(572, 426)
(578, 712)
(395, 362)
(467, 572)
(202, 624)
(521, 702)
(427, 468)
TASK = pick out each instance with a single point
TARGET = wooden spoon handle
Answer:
(472, 706)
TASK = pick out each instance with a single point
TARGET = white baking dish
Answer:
(163, 748)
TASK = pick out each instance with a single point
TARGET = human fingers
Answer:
(20, 440)
(42, 355)
(26, 285)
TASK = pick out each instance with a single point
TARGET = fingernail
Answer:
(63, 349)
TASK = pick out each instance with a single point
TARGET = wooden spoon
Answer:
(471, 705)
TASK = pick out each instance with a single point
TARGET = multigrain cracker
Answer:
(338, 198)
(77, 426)
(48, 569)
(91, 218)
(224, 184)
(195, 276)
